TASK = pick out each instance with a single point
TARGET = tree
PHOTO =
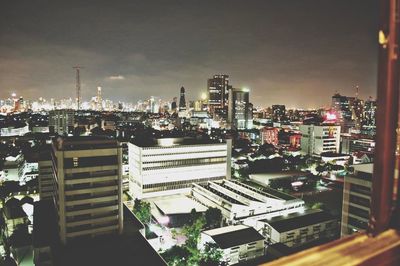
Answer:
(213, 217)
(142, 210)
(211, 255)
(192, 232)
(176, 256)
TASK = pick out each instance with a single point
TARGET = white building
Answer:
(317, 139)
(170, 166)
(239, 243)
(241, 203)
(297, 229)
(14, 168)
(14, 131)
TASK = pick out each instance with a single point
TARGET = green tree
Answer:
(192, 233)
(176, 256)
(212, 255)
(213, 217)
(142, 210)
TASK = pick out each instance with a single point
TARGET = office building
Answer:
(87, 186)
(218, 91)
(368, 125)
(342, 106)
(239, 243)
(278, 113)
(299, 229)
(61, 121)
(317, 139)
(240, 111)
(357, 199)
(169, 166)
(99, 100)
(241, 203)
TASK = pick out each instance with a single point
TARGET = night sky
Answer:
(293, 52)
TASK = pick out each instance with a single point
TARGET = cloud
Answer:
(118, 77)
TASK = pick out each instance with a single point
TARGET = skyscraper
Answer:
(240, 110)
(87, 186)
(368, 125)
(99, 100)
(218, 91)
(182, 101)
(342, 105)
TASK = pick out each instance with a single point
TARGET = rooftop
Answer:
(170, 142)
(234, 235)
(178, 205)
(84, 143)
(298, 220)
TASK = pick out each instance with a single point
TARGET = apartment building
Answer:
(357, 199)
(87, 186)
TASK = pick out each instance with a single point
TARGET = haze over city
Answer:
(135, 49)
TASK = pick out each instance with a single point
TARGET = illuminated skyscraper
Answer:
(99, 99)
(218, 91)
(240, 110)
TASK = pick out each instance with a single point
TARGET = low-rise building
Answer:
(14, 167)
(298, 229)
(239, 243)
(241, 203)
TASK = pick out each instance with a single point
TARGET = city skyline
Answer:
(179, 44)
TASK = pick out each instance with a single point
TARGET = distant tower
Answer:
(99, 100)
(173, 104)
(182, 101)
(78, 87)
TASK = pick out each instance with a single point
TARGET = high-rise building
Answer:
(99, 100)
(357, 199)
(182, 100)
(87, 186)
(218, 93)
(343, 106)
(278, 112)
(61, 121)
(170, 165)
(317, 139)
(240, 111)
(174, 104)
(45, 174)
(368, 125)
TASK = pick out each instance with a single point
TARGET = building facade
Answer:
(87, 186)
(169, 166)
(298, 229)
(357, 199)
(240, 110)
(317, 139)
(45, 175)
(61, 121)
(239, 243)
